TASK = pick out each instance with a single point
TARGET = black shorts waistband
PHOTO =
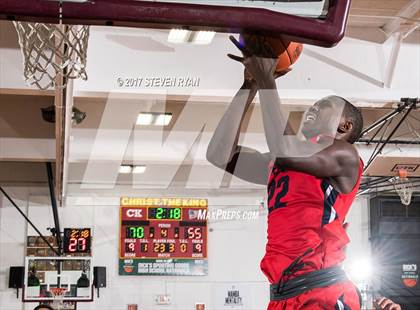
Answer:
(306, 282)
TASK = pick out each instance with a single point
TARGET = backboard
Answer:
(319, 22)
(43, 274)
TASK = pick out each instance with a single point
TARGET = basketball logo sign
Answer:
(409, 275)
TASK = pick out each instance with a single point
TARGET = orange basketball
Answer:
(288, 51)
(410, 282)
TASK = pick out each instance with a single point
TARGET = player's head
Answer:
(43, 307)
(322, 118)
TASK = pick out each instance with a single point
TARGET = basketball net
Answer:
(403, 187)
(52, 51)
(58, 297)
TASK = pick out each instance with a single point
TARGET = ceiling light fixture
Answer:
(187, 36)
(145, 119)
(203, 37)
(125, 169)
(163, 119)
(179, 36)
(139, 169)
(156, 119)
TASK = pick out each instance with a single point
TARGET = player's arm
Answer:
(337, 160)
(249, 165)
(262, 69)
(223, 150)
(328, 158)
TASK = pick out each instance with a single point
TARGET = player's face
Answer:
(321, 119)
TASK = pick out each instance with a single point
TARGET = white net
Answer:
(58, 295)
(52, 51)
(404, 189)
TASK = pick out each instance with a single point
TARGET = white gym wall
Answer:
(235, 251)
(355, 69)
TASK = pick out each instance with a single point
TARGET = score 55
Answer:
(193, 233)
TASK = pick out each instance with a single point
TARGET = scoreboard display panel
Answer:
(77, 240)
(163, 236)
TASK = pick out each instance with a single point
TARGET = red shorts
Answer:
(340, 296)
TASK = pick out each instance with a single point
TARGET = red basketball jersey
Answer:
(305, 212)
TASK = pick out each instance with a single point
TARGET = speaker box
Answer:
(99, 277)
(16, 275)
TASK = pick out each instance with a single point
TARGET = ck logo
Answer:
(134, 213)
(410, 267)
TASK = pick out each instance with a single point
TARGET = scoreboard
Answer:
(163, 236)
(77, 240)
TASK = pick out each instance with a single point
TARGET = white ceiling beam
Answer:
(392, 62)
(60, 115)
(21, 149)
(26, 92)
(292, 98)
(66, 142)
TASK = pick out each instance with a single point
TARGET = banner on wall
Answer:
(232, 296)
(163, 236)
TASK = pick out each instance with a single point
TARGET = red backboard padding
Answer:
(323, 32)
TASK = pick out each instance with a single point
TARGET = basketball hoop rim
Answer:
(403, 173)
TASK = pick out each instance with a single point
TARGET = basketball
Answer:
(288, 52)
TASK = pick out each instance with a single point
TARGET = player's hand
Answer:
(255, 58)
(249, 81)
(261, 69)
(383, 303)
(278, 74)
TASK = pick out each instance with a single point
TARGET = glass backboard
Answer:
(44, 274)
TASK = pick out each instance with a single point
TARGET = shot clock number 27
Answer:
(77, 240)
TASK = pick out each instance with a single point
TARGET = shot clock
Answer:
(155, 231)
(164, 213)
(77, 240)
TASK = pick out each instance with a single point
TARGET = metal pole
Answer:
(54, 206)
(29, 221)
(367, 141)
(412, 105)
(380, 121)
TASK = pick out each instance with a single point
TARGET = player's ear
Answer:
(345, 126)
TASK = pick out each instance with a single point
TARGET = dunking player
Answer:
(311, 184)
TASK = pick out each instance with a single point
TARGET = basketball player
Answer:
(43, 307)
(311, 185)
